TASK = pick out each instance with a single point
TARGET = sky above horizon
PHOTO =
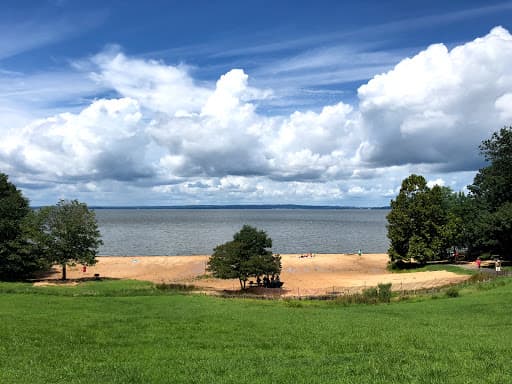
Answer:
(122, 103)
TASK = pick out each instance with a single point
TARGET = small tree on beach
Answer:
(248, 254)
(70, 234)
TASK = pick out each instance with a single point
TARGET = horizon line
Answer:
(231, 206)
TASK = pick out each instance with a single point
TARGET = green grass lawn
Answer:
(130, 332)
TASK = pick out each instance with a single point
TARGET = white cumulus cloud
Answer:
(153, 84)
(105, 140)
(437, 106)
(166, 135)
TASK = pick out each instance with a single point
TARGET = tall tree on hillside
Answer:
(71, 234)
(20, 255)
(248, 254)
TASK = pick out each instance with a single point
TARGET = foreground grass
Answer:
(130, 332)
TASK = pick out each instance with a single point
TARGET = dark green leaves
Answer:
(246, 255)
(419, 225)
(70, 233)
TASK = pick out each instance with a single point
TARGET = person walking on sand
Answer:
(478, 262)
(359, 252)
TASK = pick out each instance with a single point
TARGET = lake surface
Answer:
(197, 231)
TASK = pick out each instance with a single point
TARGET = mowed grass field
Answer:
(130, 332)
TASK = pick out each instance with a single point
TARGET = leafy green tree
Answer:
(491, 196)
(70, 234)
(246, 255)
(13, 209)
(20, 255)
(492, 184)
(500, 230)
(419, 226)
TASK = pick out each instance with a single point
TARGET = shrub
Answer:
(452, 292)
(175, 287)
(384, 293)
(371, 295)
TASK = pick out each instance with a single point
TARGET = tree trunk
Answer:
(242, 286)
(64, 277)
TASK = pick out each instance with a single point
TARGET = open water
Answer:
(197, 231)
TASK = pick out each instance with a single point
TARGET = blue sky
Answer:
(232, 102)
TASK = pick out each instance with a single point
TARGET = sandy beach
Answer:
(317, 275)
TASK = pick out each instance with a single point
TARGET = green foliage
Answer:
(70, 233)
(20, 255)
(384, 292)
(173, 287)
(492, 183)
(500, 229)
(491, 195)
(419, 225)
(13, 209)
(373, 295)
(452, 292)
(246, 255)
(424, 223)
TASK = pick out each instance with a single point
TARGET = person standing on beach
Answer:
(478, 262)
(360, 252)
(498, 266)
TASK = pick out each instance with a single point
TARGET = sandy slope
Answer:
(318, 275)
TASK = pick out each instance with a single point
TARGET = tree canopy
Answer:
(491, 194)
(20, 255)
(424, 223)
(492, 185)
(419, 226)
(248, 254)
(70, 233)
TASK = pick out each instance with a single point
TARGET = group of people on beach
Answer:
(273, 282)
(306, 255)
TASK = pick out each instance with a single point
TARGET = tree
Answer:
(491, 197)
(246, 255)
(70, 234)
(492, 184)
(500, 230)
(419, 226)
(20, 255)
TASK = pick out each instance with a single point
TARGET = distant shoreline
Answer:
(233, 206)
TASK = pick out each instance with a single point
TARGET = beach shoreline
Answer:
(302, 276)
